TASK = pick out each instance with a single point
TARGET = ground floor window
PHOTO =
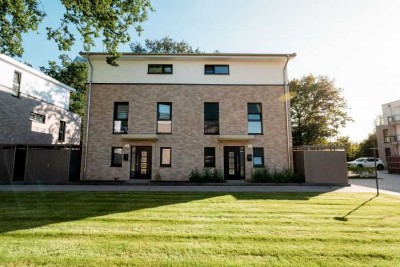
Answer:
(388, 152)
(116, 157)
(165, 157)
(209, 157)
(258, 157)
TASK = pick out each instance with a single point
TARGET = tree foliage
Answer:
(318, 110)
(109, 19)
(366, 145)
(352, 148)
(73, 74)
(164, 45)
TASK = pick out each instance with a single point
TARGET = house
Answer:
(159, 116)
(34, 108)
(388, 134)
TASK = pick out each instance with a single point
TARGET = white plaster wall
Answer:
(190, 72)
(33, 83)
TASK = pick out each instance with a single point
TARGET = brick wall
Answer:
(187, 139)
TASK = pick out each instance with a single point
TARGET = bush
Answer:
(208, 175)
(360, 172)
(263, 175)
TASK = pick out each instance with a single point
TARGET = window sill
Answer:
(165, 166)
(115, 166)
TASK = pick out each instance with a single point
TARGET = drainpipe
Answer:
(89, 98)
(287, 111)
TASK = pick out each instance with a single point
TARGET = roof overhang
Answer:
(234, 137)
(140, 137)
(193, 56)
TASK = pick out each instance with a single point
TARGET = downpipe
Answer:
(89, 98)
(287, 109)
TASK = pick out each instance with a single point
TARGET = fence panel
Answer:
(393, 164)
(7, 155)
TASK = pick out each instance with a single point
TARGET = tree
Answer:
(318, 110)
(366, 145)
(352, 148)
(110, 19)
(73, 74)
(164, 45)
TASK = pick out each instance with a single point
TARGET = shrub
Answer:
(263, 175)
(208, 175)
(360, 172)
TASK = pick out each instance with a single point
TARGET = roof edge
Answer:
(290, 55)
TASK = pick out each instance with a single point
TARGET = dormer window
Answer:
(160, 69)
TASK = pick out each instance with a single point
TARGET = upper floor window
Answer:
(258, 157)
(254, 118)
(121, 110)
(386, 137)
(61, 131)
(211, 118)
(159, 69)
(37, 117)
(16, 83)
(216, 69)
(164, 117)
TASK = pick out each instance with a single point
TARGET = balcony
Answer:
(395, 119)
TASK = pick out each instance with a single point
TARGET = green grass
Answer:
(199, 229)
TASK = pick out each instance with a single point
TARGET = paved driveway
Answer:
(389, 182)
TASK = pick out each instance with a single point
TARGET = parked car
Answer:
(367, 162)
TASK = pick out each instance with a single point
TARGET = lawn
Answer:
(199, 229)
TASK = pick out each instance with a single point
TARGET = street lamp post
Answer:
(376, 171)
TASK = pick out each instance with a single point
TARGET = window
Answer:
(216, 69)
(165, 157)
(61, 132)
(209, 157)
(254, 118)
(16, 83)
(386, 137)
(159, 69)
(116, 157)
(37, 117)
(120, 117)
(388, 152)
(211, 118)
(164, 117)
(258, 157)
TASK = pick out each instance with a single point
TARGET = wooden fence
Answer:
(393, 164)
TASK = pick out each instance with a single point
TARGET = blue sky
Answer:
(354, 42)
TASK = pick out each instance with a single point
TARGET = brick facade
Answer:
(187, 140)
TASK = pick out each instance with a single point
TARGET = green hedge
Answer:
(360, 172)
(208, 175)
(264, 175)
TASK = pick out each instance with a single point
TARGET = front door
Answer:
(143, 162)
(233, 162)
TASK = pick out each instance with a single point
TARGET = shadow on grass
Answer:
(21, 210)
(345, 217)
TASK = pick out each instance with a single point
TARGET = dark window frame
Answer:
(115, 117)
(258, 152)
(17, 92)
(113, 156)
(163, 67)
(212, 150)
(161, 157)
(37, 114)
(253, 120)
(213, 69)
(211, 103)
(160, 119)
(61, 131)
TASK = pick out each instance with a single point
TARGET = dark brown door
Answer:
(143, 162)
(233, 162)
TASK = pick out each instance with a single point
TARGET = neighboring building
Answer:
(34, 107)
(159, 116)
(388, 134)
